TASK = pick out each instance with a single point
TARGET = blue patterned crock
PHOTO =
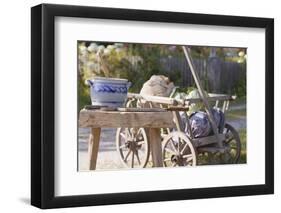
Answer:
(110, 92)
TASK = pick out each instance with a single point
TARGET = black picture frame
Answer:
(43, 105)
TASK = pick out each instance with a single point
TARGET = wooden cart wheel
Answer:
(178, 150)
(133, 147)
(232, 144)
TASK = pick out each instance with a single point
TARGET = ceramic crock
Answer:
(111, 92)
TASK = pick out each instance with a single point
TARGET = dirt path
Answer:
(108, 158)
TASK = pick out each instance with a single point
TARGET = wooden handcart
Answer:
(179, 147)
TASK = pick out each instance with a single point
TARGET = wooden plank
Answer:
(141, 110)
(213, 98)
(172, 101)
(115, 119)
(156, 147)
(133, 95)
(154, 99)
(93, 147)
(231, 97)
(177, 108)
(160, 100)
(208, 140)
(212, 150)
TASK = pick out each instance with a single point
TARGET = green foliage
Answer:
(185, 89)
(99, 60)
(208, 158)
(151, 63)
(135, 62)
(241, 88)
(243, 139)
(83, 95)
(138, 62)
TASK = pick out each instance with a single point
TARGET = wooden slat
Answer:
(160, 100)
(133, 95)
(208, 140)
(212, 150)
(115, 119)
(141, 110)
(186, 101)
(233, 97)
(177, 108)
(213, 98)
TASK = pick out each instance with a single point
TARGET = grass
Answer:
(215, 159)
(243, 139)
(239, 101)
(235, 114)
(207, 159)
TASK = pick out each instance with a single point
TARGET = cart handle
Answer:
(187, 101)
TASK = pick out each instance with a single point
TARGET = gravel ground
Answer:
(107, 160)
(107, 155)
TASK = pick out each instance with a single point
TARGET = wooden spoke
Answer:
(229, 140)
(122, 146)
(181, 156)
(123, 135)
(133, 132)
(129, 152)
(140, 142)
(128, 144)
(171, 151)
(139, 131)
(173, 145)
(179, 144)
(233, 144)
(129, 133)
(233, 147)
(133, 155)
(139, 138)
(138, 158)
(188, 158)
(183, 149)
(227, 157)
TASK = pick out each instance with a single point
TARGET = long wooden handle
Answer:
(201, 93)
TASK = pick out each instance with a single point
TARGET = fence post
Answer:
(214, 70)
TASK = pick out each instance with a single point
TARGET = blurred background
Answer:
(221, 70)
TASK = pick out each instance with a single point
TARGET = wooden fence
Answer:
(216, 75)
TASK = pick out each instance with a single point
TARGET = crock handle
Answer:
(129, 84)
(89, 82)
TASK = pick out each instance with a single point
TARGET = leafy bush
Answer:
(241, 89)
(135, 62)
